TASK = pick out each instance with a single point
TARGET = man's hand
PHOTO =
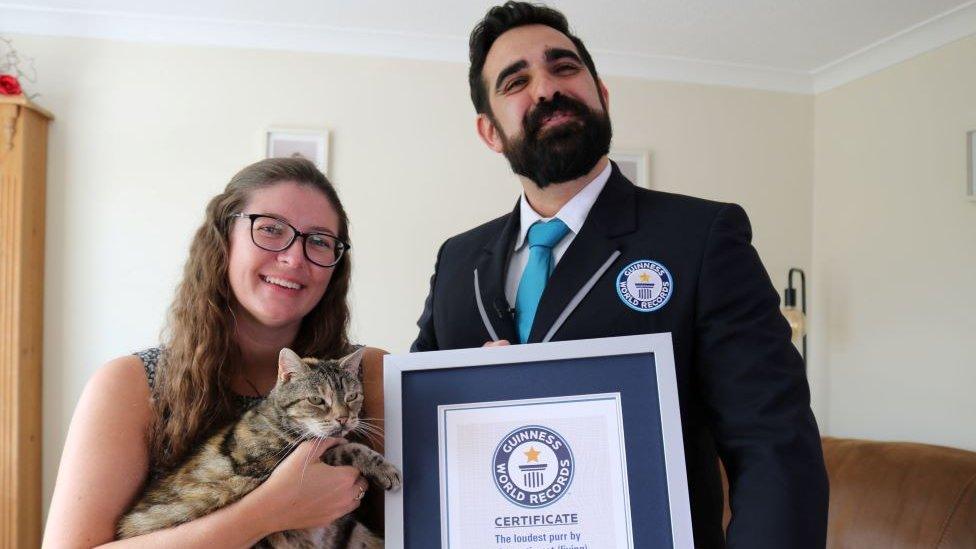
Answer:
(499, 343)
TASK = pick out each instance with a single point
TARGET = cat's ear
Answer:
(352, 362)
(289, 364)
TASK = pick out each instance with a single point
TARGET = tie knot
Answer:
(547, 234)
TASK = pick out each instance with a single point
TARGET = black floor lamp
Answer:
(797, 319)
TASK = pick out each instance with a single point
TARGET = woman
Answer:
(244, 296)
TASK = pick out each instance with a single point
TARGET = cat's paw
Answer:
(371, 464)
(385, 476)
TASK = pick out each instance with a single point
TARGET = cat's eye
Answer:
(352, 397)
(316, 401)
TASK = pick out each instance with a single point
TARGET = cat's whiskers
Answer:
(294, 431)
(372, 429)
(318, 441)
(360, 431)
(368, 432)
(373, 440)
(280, 455)
(291, 439)
(284, 453)
(372, 425)
(298, 437)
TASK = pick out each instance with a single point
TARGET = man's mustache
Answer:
(559, 103)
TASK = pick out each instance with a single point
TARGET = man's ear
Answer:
(488, 132)
(604, 93)
(289, 364)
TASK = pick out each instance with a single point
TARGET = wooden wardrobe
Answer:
(23, 159)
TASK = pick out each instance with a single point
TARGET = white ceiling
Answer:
(791, 45)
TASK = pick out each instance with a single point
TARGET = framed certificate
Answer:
(563, 445)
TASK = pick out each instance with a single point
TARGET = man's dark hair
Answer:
(497, 21)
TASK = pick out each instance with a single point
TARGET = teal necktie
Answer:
(542, 237)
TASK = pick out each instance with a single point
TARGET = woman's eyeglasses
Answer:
(274, 235)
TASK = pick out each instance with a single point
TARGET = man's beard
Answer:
(562, 153)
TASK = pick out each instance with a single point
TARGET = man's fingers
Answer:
(499, 343)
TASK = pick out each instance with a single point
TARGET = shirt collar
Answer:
(573, 213)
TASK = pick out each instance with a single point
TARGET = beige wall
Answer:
(145, 134)
(894, 252)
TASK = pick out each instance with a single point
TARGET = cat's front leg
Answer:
(370, 463)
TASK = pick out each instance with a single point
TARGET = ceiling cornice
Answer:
(926, 36)
(141, 27)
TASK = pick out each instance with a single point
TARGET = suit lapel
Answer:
(492, 267)
(614, 214)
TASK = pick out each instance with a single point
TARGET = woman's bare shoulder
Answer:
(118, 395)
(123, 377)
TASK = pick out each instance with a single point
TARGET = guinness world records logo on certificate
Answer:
(533, 466)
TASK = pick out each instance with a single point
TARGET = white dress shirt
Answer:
(573, 214)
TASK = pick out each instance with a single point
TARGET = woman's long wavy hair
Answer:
(192, 393)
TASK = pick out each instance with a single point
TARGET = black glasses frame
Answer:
(341, 246)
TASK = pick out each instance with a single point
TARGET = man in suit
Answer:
(586, 254)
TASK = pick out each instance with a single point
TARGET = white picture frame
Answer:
(415, 384)
(312, 144)
(971, 165)
(634, 164)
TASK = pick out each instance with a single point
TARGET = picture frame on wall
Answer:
(311, 144)
(971, 172)
(634, 164)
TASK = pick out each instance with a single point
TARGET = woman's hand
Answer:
(303, 492)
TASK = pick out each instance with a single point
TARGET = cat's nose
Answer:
(343, 420)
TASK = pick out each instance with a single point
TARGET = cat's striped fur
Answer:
(309, 397)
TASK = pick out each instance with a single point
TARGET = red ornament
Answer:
(9, 85)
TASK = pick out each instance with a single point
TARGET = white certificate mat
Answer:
(525, 474)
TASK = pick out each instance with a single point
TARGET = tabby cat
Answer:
(308, 400)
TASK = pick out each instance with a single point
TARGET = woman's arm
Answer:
(105, 463)
(105, 460)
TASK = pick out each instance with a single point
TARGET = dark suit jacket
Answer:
(742, 387)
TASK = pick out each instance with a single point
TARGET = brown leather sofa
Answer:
(899, 495)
